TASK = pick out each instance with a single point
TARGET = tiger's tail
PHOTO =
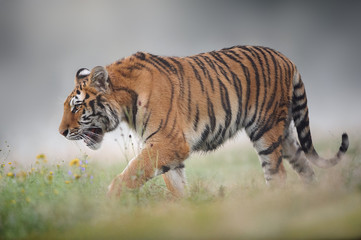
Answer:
(300, 117)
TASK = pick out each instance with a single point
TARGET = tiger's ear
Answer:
(81, 76)
(99, 79)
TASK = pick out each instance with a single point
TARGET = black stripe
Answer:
(272, 147)
(204, 135)
(196, 119)
(306, 141)
(279, 161)
(140, 55)
(236, 55)
(172, 128)
(238, 88)
(247, 77)
(267, 84)
(180, 76)
(216, 140)
(166, 64)
(298, 85)
(209, 63)
(258, 133)
(298, 115)
(288, 69)
(99, 101)
(198, 77)
(301, 107)
(303, 124)
(181, 165)
(156, 131)
(134, 97)
(265, 164)
(218, 58)
(212, 118)
(275, 84)
(145, 124)
(264, 98)
(225, 104)
(276, 169)
(91, 104)
(255, 69)
(189, 99)
(157, 60)
(205, 70)
(296, 156)
(261, 50)
(160, 63)
(298, 98)
(224, 73)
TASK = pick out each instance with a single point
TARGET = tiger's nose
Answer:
(64, 133)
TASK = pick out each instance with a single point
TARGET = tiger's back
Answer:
(182, 104)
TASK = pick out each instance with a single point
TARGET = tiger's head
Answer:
(90, 111)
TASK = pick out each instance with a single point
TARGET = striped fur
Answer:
(182, 105)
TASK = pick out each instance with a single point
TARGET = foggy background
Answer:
(44, 43)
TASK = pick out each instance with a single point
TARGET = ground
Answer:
(227, 199)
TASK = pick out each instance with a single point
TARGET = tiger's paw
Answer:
(115, 187)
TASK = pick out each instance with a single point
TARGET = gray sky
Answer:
(44, 43)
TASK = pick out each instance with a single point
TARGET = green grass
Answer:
(227, 199)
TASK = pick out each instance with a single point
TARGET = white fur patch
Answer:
(177, 179)
(84, 72)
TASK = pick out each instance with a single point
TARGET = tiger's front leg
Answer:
(155, 159)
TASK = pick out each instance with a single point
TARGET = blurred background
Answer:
(44, 43)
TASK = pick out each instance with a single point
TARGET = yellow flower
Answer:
(10, 174)
(9, 163)
(27, 199)
(75, 162)
(51, 173)
(37, 162)
(50, 177)
(83, 166)
(40, 156)
(3, 165)
(77, 176)
(67, 182)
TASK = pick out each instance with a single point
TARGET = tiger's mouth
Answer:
(93, 137)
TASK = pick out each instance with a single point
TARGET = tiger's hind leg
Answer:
(292, 151)
(269, 148)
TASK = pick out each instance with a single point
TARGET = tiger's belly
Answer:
(208, 138)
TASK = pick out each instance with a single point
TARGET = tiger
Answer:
(181, 105)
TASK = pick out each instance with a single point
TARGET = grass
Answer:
(227, 199)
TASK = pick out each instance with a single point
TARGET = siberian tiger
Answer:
(179, 105)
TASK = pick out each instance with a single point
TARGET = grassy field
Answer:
(227, 199)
